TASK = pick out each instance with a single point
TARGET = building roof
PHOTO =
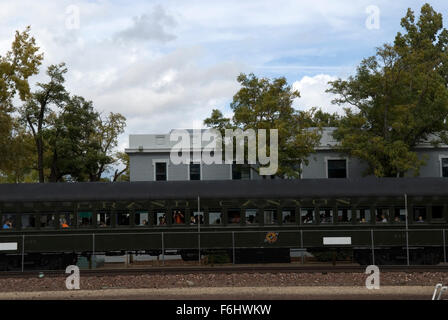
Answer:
(161, 142)
(224, 189)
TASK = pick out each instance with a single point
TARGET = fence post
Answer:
(407, 227)
(163, 249)
(301, 247)
(23, 252)
(444, 246)
(93, 251)
(373, 247)
(233, 246)
(199, 244)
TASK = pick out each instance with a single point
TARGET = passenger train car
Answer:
(377, 220)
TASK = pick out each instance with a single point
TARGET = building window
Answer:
(195, 171)
(240, 172)
(337, 168)
(444, 167)
(161, 171)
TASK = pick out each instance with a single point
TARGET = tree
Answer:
(16, 67)
(398, 97)
(37, 109)
(106, 135)
(123, 174)
(70, 140)
(267, 104)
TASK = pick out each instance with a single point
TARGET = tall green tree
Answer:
(71, 147)
(16, 67)
(106, 136)
(397, 98)
(267, 104)
(41, 106)
(82, 144)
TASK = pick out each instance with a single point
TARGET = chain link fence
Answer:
(368, 246)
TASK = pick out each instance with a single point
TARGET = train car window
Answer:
(48, 220)
(288, 216)
(251, 216)
(307, 215)
(178, 216)
(85, 219)
(123, 218)
(399, 215)
(214, 217)
(160, 219)
(382, 215)
(141, 218)
(437, 212)
(326, 215)
(419, 214)
(103, 219)
(29, 221)
(234, 216)
(66, 219)
(8, 221)
(344, 215)
(363, 215)
(197, 217)
(270, 216)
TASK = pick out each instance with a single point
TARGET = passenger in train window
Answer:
(383, 218)
(7, 225)
(397, 219)
(363, 220)
(162, 220)
(308, 219)
(420, 219)
(179, 218)
(215, 217)
(192, 220)
(64, 224)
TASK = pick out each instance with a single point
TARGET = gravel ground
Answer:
(222, 280)
(235, 293)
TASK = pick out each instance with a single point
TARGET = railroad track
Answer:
(224, 269)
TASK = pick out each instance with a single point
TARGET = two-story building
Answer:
(150, 161)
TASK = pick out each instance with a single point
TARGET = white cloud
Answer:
(191, 51)
(150, 27)
(312, 93)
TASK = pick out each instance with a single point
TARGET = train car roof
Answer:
(250, 189)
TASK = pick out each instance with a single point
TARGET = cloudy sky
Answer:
(166, 64)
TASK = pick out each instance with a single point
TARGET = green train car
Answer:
(377, 220)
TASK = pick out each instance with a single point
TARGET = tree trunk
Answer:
(40, 159)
